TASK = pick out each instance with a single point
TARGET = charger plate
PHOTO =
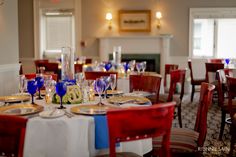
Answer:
(128, 99)
(21, 109)
(113, 92)
(15, 98)
(92, 109)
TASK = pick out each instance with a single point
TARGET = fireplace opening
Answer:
(153, 60)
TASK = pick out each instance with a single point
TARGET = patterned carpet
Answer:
(212, 146)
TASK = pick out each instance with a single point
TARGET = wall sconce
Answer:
(158, 17)
(109, 18)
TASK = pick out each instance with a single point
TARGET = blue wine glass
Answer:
(108, 66)
(126, 67)
(107, 81)
(61, 91)
(32, 88)
(99, 87)
(227, 60)
(40, 83)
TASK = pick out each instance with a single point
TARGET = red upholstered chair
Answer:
(176, 76)
(185, 141)
(168, 69)
(222, 99)
(212, 68)
(142, 122)
(40, 63)
(33, 75)
(12, 135)
(78, 68)
(148, 83)
(231, 84)
(215, 60)
(51, 68)
(194, 82)
(93, 75)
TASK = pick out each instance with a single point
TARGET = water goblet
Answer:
(79, 78)
(106, 80)
(108, 66)
(40, 83)
(126, 67)
(138, 67)
(61, 91)
(144, 66)
(22, 84)
(113, 81)
(227, 60)
(99, 87)
(50, 89)
(32, 88)
(132, 65)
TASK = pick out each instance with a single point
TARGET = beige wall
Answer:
(9, 50)
(175, 21)
(26, 29)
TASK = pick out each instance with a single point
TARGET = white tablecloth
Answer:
(69, 137)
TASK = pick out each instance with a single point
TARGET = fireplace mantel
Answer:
(159, 44)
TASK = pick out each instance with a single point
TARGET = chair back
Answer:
(40, 63)
(212, 68)
(93, 75)
(231, 83)
(149, 83)
(51, 68)
(12, 135)
(142, 122)
(215, 60)
(78, 68)
(191, 71)
(33, 75)
(205, 101)
(168, 69)
(176, 76)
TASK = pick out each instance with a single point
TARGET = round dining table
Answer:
(74, 136)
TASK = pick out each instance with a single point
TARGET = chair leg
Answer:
(179, 116)
(192, 94)
(223, 115)
(233, 138)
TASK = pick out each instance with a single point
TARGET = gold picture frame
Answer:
(134, 20)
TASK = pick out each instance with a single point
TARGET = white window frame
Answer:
(196, 13)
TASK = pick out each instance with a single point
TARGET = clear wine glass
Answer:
(99, 87)
(132, 65)
(40, 83)
(144, 66)
(79, 78)
(106, 80)
(22, 83)
(138, 67)
(50, 89)
(32, 88)
(61, 91)
(113, 81)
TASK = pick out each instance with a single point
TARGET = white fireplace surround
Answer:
(159, 44)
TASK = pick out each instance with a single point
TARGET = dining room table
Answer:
(74, 135)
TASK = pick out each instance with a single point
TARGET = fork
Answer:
(68, 114)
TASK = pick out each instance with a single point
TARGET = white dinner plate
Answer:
(52, 113)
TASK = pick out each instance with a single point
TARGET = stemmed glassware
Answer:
(227, 60)
(108, 66)
(32, 88)
(40, 83)
(113, 81)
(79, 78)
(61, 91)
(138, 67)
(144, 66)
(132, 65)
(106, 80)
(22, 83)
(99, 87)
(50, 89)
(126, 67)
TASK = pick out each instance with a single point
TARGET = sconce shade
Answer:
(158, 15)
(109, 16)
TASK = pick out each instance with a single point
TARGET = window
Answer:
(57, 31)
(212, 32)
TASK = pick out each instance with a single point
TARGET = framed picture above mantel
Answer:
(134, 20)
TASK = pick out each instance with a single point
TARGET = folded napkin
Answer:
(101, 132)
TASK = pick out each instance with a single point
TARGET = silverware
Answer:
(52, 112)
(68, 114)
